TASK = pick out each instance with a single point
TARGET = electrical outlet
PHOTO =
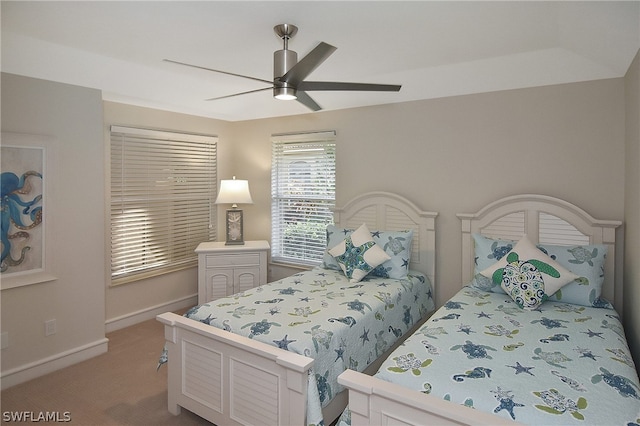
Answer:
(4, 337)
(50, 327)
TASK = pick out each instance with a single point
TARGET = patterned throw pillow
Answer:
(487, 252)
(586, 261)
(358, 254)
(397, 245)
(528, 275)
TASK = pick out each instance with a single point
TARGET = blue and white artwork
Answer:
(22, 226)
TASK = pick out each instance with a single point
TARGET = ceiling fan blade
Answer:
(306, 65)
(306, 100)
(238, 94)
(332, 85)
(218, 71)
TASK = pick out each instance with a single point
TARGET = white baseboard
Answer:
(149, 313)
(48, 365)
(44, 366)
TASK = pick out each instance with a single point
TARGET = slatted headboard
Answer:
(391, 212)
(545, 220)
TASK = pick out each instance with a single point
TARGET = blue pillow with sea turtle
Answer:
(397, 244)
(487, 252)
(588, 263)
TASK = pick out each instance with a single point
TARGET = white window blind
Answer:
(303, 193)
(162, 189)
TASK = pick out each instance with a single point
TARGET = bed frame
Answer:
(545, 220)
(230, 379)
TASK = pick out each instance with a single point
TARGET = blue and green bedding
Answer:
(558, 364)
(320, 314)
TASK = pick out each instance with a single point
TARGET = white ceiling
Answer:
(433, 48)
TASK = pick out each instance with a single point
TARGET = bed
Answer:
(487, 357)
(247, 377)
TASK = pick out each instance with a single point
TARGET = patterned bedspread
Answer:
(560, 364)
(320, 314)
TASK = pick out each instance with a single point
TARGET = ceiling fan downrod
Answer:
(283, 60)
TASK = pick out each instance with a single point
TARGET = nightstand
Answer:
(224, 270)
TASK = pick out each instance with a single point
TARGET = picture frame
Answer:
(25, 210)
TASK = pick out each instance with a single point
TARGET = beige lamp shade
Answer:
(235, 191)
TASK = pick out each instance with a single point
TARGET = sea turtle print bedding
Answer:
(558, 364)
(320, 314)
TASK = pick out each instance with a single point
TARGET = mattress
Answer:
(559, 364)
(320, 314)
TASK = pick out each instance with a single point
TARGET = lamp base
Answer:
(235, 229)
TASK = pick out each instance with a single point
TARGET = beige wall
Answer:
(129, 303)
(70, 119)
(456, 154)
(632, 208)
(448, 155)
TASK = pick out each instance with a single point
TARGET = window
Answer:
(303, 193)
(162, 185)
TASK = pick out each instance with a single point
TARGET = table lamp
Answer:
(234, 192)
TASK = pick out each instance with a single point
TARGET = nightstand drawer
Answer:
(243, 259)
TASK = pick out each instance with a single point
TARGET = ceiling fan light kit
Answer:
(285, 93)
(289, 74)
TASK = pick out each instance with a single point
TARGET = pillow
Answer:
(487, 252)
(528, 275)
(358, 254)
(397, 245)
(334, 236)
(586, 261)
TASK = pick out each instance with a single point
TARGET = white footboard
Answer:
(377, 402)
(229, 379)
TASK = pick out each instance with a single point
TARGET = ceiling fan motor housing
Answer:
(283, 60)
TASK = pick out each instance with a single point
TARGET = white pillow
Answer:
(358, 254)
(528, 275)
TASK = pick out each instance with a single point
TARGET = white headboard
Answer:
(545, 220)
(391, 212)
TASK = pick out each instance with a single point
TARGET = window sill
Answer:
(302, 267)
(24, 279)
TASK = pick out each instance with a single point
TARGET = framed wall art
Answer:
(22, 232)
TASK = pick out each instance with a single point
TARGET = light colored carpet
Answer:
(121, 387)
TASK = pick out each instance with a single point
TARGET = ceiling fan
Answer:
(289, 75)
